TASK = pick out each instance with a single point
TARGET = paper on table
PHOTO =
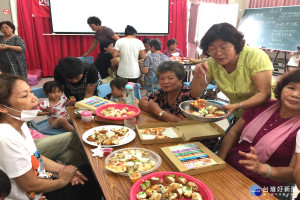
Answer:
(168, 132)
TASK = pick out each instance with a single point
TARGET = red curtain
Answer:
(272, 3)
(44, 51)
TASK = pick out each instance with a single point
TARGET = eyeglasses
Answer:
(222, 49)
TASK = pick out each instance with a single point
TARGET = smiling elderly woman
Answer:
(242, 73)
(165, 102)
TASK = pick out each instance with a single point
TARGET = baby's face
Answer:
(55, 94)
(116, 92)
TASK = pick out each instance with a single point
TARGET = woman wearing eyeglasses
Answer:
(242, 73)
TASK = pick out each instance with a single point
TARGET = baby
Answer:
(118, 89)
(55, 106)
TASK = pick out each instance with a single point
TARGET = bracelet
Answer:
(160, 114)
(241, 106)
(269, 172)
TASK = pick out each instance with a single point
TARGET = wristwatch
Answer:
(160, 114)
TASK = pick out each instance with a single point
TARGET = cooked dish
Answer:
(108, 136)
(114, 112)
(203, 111)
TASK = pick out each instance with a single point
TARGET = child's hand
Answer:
(72, 101)
(49, 111)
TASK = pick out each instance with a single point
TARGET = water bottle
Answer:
(129, 94)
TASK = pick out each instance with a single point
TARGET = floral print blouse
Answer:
(161, 98)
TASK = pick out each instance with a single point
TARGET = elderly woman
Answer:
(261, 145)
(152, 61)
(12, 47)
(30, 172)
(242, 73)
(165, 102)
(172, 49)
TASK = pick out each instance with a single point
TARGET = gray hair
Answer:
(172, 66)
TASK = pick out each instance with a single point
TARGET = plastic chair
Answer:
(154, 81)
(89, 59)
(104, 90)
(43, 126)
(210, 87)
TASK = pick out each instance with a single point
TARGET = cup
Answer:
(86, 116)
(134, 176)
(129, 122)
(106, 151)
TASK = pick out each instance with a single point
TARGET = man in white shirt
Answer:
(130, 50)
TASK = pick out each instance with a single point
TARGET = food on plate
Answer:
(108, 137)
(203, 111)
(114, 112)
(153, 131)
(141, 195)
(161, 137)
(170, 188)
(132, 161)
(199, 104)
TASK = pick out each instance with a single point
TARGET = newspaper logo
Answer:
(44, 2)
(255, 190)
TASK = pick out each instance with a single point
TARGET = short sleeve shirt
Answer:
(91, 76)
(129, 49)
(152, 61)
(105, 35)
(238, 85)
(161, 98)
(167, 52)
(59, 109)
(18, 156)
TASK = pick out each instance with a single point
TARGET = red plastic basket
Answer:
(120, 107)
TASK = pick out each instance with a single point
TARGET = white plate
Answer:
(130, 135)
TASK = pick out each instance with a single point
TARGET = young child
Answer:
(118, 89)
(55, 106)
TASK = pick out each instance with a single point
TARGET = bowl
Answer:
(187, 105)
(152, 156)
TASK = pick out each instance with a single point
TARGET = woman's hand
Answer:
(230, 108)
(78, 178)
(252, 163)
(200, 69)
(3, 47)
(67, 173)
(154, 107)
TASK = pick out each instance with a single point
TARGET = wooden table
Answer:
(227, 184)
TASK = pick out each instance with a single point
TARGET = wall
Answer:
(11, 5)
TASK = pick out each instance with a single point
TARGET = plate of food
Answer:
(128, 160)
(108, 136)
(202, 110)
(169, 185)
(117, 111)
(158, 133)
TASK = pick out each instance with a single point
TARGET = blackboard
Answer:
(276, 28)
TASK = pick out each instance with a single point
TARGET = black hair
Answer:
(291, 77)
(225, 32)
(50, 86)
(94, 20)
(7, 83)
(156, 44)
(8, 23)
(119, 83)
(5, 185)
(104, 44)
(172, 66)
(130, 30)
(146, 41)
(171, 42)
(70, 67)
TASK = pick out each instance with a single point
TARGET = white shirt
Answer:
(16, 155)
(294, 60)
(129, 49)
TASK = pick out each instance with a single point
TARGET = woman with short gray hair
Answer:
(152, 61)
(165, 102)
